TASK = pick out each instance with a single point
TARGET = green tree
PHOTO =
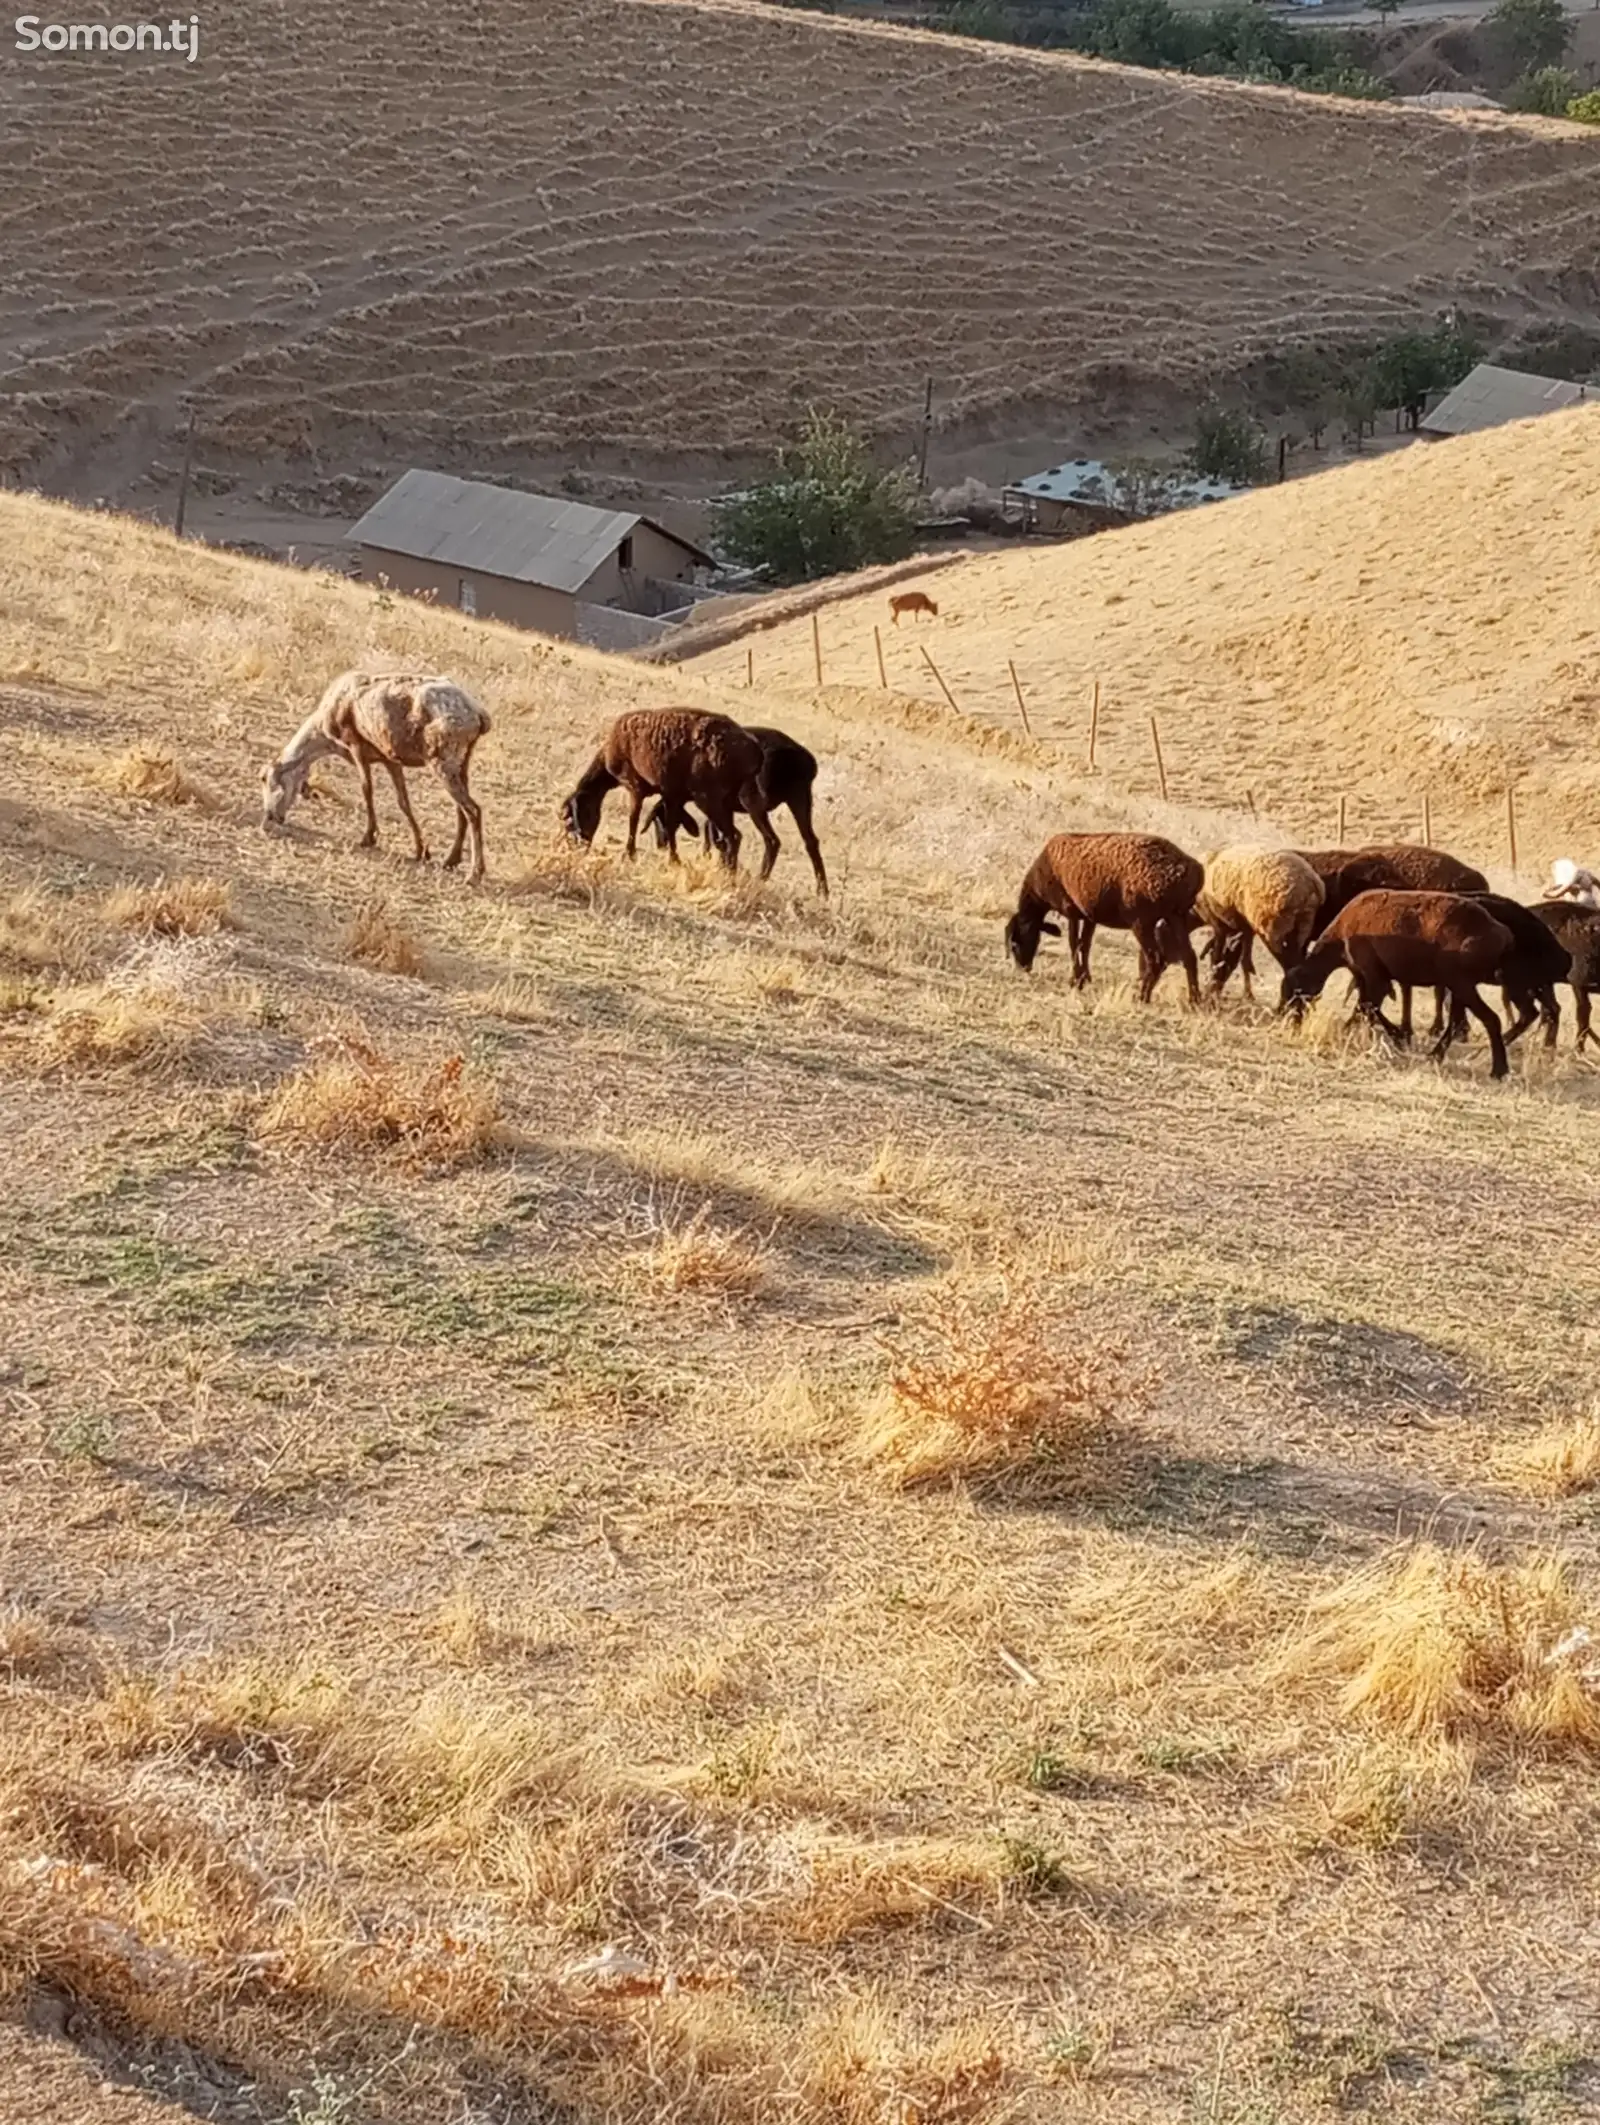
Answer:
(1586, 109)
(1546, 91)
(1530, 33)
(827, 509)
(1385, 8)
(1406, 368)
(1227, 446)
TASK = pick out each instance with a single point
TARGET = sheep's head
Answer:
(281, 785)
(1304, 983)
(580, 815)
(1022, 937)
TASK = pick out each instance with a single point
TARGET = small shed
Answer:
(530, 559)
(1490, 397)
(1086, 495)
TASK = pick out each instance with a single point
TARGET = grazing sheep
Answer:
(1252, 892)
(1134, 882)
(1391, 866)
(403, 719)
(684, 756)
(1412, 940)
(1570, 881)
(1578, 928)
(1528, 977)
(788, 775)
(912, 601)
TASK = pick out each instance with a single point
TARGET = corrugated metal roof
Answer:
(498, 531)
(1490, 396)
(1086, 479)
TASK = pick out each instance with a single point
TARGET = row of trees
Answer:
(829, 507)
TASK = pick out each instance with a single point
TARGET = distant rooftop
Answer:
(1086, 479)
(499, 531)
(1489, 397)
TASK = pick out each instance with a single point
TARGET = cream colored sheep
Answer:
(1252, 892)
(403, 719)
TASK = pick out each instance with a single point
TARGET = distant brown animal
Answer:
(1413, 940)
(1134, 882)
(684, 756)
(401, 719)
(912, 601)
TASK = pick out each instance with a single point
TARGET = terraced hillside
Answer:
(629, 1498)
(644, 233)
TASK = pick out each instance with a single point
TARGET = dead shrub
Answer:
(351, 1097)
(42, 932)
(977, 1387)
(158, 779)
(1445, 1644)
(96, 1027)
(177, 907)
(710, 1260)
(376, 939)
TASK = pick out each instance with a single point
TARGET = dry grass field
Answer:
(1422, 625)
(631, 1499)
(643, 234)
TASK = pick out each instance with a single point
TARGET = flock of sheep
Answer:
(1399, 916)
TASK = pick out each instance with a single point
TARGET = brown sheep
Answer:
(912, 601)
(788, 777)
(1577, 928)
(1391, 866)
(402, 719)
(1134, 882)
(1413, 940)
(685, 756)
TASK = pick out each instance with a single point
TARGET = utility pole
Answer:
(927, 430)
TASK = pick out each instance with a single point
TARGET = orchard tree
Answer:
(827, 509)
(1530, 33)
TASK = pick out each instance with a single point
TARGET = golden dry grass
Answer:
(377, 938)
(176, 907)
(1560, 1461)
(1435, 1643)
(156, 777)
(422, 1554)
(696, 1255)
(96, 1027)
(352, 1097)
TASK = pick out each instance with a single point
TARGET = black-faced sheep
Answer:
(401, 719)
(788, 777)
(1252, 892)
(685, 756)
(1412, 940)
(1134, 882)
(1577, 928)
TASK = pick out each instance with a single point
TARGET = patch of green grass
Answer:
(87, 1435)
(1035, 1869)
(1170, 1752)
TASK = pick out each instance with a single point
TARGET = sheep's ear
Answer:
(1050, 929)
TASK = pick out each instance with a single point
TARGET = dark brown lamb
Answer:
(788, 777)
(1391, 866)
(685, 756)
(1134, 882)
(1578, 929)
(1411, 940)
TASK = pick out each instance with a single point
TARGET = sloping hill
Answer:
(1424, 624)
(649, 230)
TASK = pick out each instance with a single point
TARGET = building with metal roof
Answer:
(531, 559)
(1490, 397)
(1086, 493)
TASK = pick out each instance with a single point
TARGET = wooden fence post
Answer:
(877, 643)
(182, 509)
(750, 667)
(816, 643)
(1022, 706)
(1341, 823)
(1094, 725)
(1427, 821)
(1250, 799)
(939, 675)
(1161, 765)
(1511, 824)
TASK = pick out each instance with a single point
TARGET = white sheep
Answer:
(1252, 892)
(403, 719)
(1570, 881)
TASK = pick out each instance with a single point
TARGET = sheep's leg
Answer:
(1439, 1000)
(1151, 958)
(720, 819)
(1468, 999)
(636, 798)
(1080, 939)
(402, 796)
(1522, 1010)
(750, 797)
(1580, 1004)
(1169, 941)
(369, 839)
(1247, 965)
(469, 819)
(800, 812)
(1220, 951)
(1405, 1013)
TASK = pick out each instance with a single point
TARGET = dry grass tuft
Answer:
(1380, 1794)
(472, 1631)
(710, 1260)
(978, 1387)
(352, 1097)
(376, 939)
(176, 907)
(42, 932)
(31, 1649)
(158, 779)
(1439, 1643)
(1558, 1462)
(97, 1027)
(513, 999)
(852, 1886)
